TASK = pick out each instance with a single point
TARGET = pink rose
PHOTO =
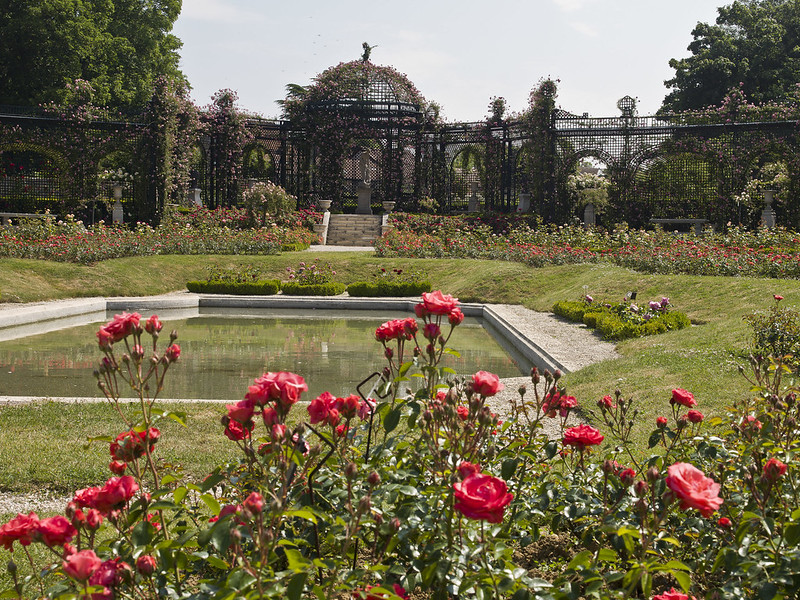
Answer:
(396, 588)
(19, 529)
(236, 431)
(322, 409)
(582, 436)
(366, 408)
(436, 303)
(81, 565)
(456, 317)
(56, 531)
(431, 331)
(242, 411)
(482, 497)
(283, 387)
(173, 353)
(693, 488)
(348, 407)
(486, 384)
(682, 397)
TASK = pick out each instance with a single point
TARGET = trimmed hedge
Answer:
(612, 327)
(332, 288)
(384, 289)
(264, 287)
(298, 247)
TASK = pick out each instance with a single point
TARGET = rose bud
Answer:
(351, 470)
(374, 478)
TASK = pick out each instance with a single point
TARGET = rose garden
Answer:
(665, 473)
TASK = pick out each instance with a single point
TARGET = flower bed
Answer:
(623, 320)
(68, 241)
(426, 491)
(765, 253)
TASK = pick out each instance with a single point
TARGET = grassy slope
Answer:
(702, 359)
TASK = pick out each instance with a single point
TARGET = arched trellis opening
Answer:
(258, 164)
(467, 176)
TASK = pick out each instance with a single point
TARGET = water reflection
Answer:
(223, 353)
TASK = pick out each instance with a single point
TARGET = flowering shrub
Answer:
(311, 274)
(424, 489)
(776, 333)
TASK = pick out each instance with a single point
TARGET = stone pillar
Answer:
(116, 211)
(524, 203)
(194, 197)
(474, 201)
(768, 214)
(364, 190)
(589, 216)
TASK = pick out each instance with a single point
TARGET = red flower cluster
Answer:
(113, 495)
(130, 445)
(282, 388)
(673, 594)
(328, 409)
(554, 403)
(396, 329)
(85, 566)
(482, 497)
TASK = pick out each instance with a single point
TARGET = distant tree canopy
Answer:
(119, 46)
(754, 44)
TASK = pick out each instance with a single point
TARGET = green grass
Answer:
(41, 446)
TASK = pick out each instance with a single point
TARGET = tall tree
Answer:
(754, 44)
(119, 46)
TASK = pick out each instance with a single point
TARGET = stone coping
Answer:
(38, 314)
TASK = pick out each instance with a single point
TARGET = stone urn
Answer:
(325, 205)
(388, 205)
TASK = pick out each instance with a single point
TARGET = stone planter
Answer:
(388, 205)
(325, 205)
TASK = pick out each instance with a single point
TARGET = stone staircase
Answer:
(353, 230)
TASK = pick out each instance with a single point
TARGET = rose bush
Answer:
(424, 488)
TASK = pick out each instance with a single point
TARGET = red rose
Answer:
(319, 409)
(109, 574)
(777, 297)
(581, 436)
(661, 422)
(627, 476)
(436, 303)
(465, 469)
(486, 384)
(682, 397)
(751, 421)
(606, 402)
(348, 407)
(153, 325)
(431, 331)
(462, 412)
(283, 387)
(173, 353)
(673, 594)
(86, 498)
(115, 493)
(119, 328)
(774, 469)
(236, 431)
(56, 531)
(93, 518)
(242, 411)
(695, 416)
(146, 565)
(254, 503)
(19, 529)
(117, 467)
(482, 497)
(693, 488)
(81, 565)
(130, 445)
(724, 522)
(456, 317)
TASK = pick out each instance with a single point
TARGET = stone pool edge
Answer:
(12, 316)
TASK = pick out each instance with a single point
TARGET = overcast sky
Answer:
(459, 53)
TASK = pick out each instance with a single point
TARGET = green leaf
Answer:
(211, 481)
(401, 372)
(302, 513)
(792, 534)
(683, 579)
(297, 562)
(508, 468)
(217, 563)
(581, 559)
(655, 439)
(296, 585)
(391, 420)
(607, 555)
(142, 534)
(211, 503)
(179, 495)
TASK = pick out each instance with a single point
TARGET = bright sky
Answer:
(459, 53)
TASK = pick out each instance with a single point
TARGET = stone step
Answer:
(353, 230)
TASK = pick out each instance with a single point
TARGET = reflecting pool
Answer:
(223, 350)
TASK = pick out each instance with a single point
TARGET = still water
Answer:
(222, 351)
